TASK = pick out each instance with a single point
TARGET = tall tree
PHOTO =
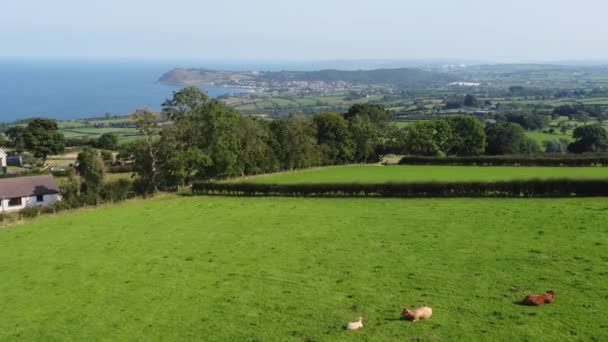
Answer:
(255, 154)
(365, 136)
(468, 136)
(377, 114)
(42, 138)
(184, 103)
(505, 138)
(146, 123)
(295, 142)
(3, 140)
(334, 138)
(429, 138)
(90, 167)
(208, 125)
(590, 138)
(470, 101)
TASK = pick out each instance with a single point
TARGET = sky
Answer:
(488, 30)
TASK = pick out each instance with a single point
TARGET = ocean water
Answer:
(67, 90)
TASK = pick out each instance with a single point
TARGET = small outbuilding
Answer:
(18, 193)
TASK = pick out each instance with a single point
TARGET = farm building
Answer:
(26, 192)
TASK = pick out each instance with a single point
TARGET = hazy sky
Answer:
(505, 30)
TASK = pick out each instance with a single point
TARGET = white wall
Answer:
(2, 161)
(28, 202)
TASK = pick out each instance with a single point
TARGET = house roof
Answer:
(28, 186)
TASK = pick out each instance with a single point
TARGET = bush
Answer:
(118, 190)
(29, 212)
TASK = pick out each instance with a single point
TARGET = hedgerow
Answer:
(523, 188)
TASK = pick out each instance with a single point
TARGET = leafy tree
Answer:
(185, 102)
(528, 120)
(470, 101)
(255, 153)
(146, 124)
(3, 140)
(42, 138)
(208, 125)
(108, 141)
(530, 146)
(90, 167)
(334, 138)
(377, 114)
(429, 138)
(468, 136)
(556, 146)
(365, 136)
(591, 138)
(454, 103)
(295, 142)
(505, 138)
(15, 134)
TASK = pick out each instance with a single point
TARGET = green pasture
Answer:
(124, 134)
(285, 269)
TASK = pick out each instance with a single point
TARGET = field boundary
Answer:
(517, 189)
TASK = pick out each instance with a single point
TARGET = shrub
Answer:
(29, 212)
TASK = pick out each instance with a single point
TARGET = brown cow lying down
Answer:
(535, 299)
(415, 315)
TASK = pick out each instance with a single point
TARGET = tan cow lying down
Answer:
(535, 299)
(418, 314)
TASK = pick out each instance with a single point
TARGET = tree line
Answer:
(209, 140)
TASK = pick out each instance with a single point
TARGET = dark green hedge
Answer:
(525, 188)
(545, 160)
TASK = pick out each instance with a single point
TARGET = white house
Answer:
(2, 162)
(25, 192)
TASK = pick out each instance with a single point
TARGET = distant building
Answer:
(25, 192)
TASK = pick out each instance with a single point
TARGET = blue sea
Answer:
(68, 89)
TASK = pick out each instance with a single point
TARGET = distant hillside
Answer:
(192, 76)
(398, 77)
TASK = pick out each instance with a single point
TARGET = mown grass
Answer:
(269, 269)
(423, 173)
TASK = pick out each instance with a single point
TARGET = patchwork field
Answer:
(423, 173)
(270, 269)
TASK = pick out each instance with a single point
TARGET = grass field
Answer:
(124, 134)
(269, 269)
(423, 173)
